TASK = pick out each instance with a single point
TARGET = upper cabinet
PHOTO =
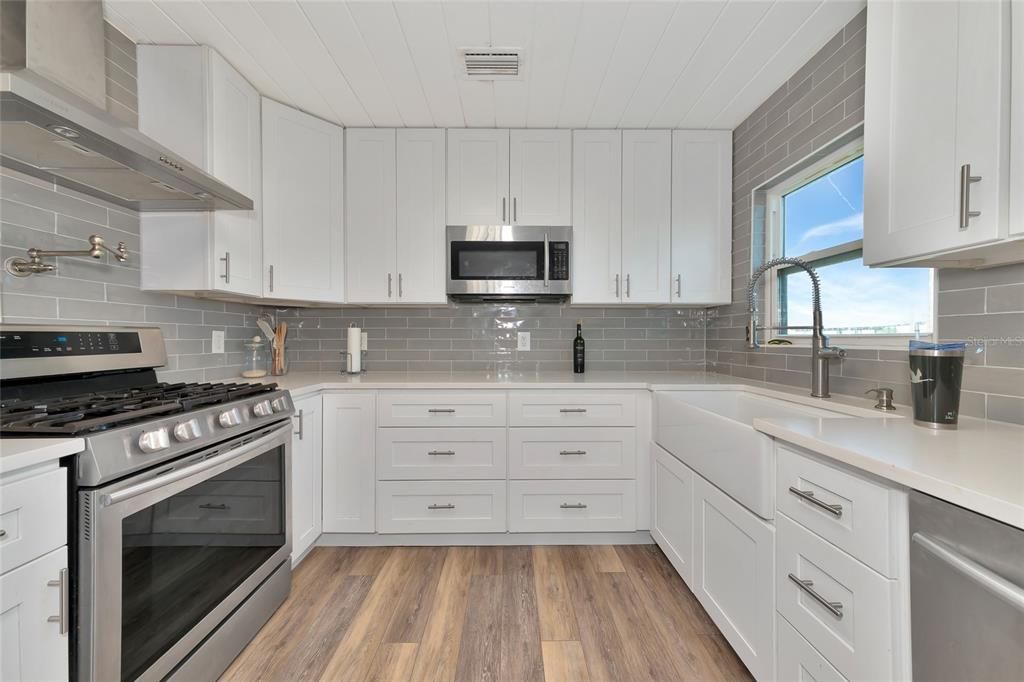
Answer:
(394, 215)
(502, 177)
(936, 134)
(195, 104)
(597, 210)
(646, 215)
(701, 217)
(303, 237)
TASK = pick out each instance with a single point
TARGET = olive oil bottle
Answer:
(578, 349)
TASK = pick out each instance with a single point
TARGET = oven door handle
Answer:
(238, 453)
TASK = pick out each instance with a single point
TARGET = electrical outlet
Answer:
(364, 341)
(218, 342)
(524, 341)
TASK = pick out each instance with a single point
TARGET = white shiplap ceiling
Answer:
(594, 64)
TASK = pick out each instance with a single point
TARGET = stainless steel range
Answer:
(181, 530)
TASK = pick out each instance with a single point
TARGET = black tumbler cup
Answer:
(935, 378)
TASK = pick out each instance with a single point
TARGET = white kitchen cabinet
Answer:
(370, 216)
(646, 215)
(574, 506)
(348, 462)
(303, 239)
(1017, 120)
(937, 104)
(597, 216)
(195, 104)
(32, 647)
(733, 571)
(478, 174)
(540, 177)
(672, 510)
(306, 483)
(394, 215)
(701, 217)
(421, 259)
(441, 506)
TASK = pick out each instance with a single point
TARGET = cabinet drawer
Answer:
(441, 453)
(441, 506)
(566, 506)
(33, 517)
(858, 640)
(572, 453)
(797, 660)
(854, 514)
(441, 408)
(572, 408)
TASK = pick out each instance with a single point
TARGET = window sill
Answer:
(864, 342)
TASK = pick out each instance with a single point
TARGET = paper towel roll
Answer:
(355, 344)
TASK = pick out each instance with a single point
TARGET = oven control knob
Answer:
(186, 431)
(262, 409)
(154, 441)
(279, 404)
(229, 418)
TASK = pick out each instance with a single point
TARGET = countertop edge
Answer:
(30, 452)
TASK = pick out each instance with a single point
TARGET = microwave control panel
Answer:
(559, 265)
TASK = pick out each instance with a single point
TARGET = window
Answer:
(818, 215)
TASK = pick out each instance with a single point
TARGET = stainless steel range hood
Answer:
(50, 132)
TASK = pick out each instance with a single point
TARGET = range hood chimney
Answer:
(54, 124)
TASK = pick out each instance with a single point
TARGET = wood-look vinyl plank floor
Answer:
(504, 614)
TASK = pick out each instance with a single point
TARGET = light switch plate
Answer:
(523, 341)
(217, 342)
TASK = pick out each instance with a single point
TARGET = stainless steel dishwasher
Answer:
(966, 594)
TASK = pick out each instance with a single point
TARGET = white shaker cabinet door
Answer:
(32, 647)
(348, 462)
(672, 510)
(701, 216)
(306, 480)
(597, 216)
(478, 177)
(370, 245)
(646, 215)
(936, 103)
(421, 203)
(540, 177)
(303, 240)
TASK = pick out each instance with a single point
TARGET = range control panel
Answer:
(37, 344)
(559, 265)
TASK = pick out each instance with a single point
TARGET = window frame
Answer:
(774, 289)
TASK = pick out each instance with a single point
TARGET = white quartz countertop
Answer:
(19, 453)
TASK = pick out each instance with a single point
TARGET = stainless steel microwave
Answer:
(509, 262)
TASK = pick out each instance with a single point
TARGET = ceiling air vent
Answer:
(492, 63)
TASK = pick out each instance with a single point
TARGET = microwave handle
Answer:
(547, 260)
(239, 453)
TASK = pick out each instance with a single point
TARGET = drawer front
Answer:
(572, 453)
(572, 408)
(441, 506)
(441, 408)
(568, 506)
(441, 453)
(33, 517)
(858, 640)
(854, 513)
(798, 660)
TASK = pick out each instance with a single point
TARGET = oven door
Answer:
(167, 555)
(508, 260)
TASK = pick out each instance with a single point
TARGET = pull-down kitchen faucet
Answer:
(821, 352)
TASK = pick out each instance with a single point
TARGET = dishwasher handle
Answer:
(999, 586)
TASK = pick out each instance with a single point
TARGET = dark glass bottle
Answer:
(578, 349)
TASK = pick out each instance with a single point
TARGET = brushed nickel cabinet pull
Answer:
(966, 180)
(617, 285)
(440, 506)
(63, 612)
(627, 285)
(808, 496)
(3, 533)
(301, 419)
(271, 277)
(441, 410)
(389, 285)
(833, 607)
(572, 452)
(399, 285)
(227, 267)
(441, 452)
(578, 505)
(515, 211)
(503, 209)
(572, 410)
(679, 286)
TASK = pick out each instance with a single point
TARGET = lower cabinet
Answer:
(571, 506)
(441, 506)
(733, 575)
(348, 462)
(306, 483)
(796, 659)
(32, 646)
(672, 510)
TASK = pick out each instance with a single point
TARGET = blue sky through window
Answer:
(855, 299)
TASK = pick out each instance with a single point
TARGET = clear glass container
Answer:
(257, 359)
